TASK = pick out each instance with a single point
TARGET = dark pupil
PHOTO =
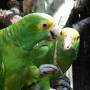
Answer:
(45, 26)
(78, 37)
(61, 33)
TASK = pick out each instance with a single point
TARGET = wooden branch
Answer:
(9, 16)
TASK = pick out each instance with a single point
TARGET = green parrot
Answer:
(67, 47)
(67, 51)
(16, 43)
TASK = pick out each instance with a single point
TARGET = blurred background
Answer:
(66, 12)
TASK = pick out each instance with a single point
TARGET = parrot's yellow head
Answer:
(45, 23)
(70, 38)
(36, 27)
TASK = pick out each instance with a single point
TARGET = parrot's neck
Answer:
(17, 34)
(67, 54)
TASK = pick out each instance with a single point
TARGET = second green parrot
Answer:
(67, 51)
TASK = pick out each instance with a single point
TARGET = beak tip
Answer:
(52, 35)
(55, 37)
(55, 31)
(66, 47)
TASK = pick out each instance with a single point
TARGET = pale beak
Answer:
(55, 32)
(67, 43)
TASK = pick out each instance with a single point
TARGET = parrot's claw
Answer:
(63, 83)
(47, 69)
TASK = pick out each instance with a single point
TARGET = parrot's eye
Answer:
(45, 26)
(61, 33)
(78, 37)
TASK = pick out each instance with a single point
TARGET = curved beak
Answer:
(67, 43)
(55, 32)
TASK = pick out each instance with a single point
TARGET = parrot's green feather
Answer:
(43, 53)
(21, 56)
(16, 43)
(27, 30)
(45, 83)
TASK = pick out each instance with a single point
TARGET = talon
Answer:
(63, 82)
(47, 69)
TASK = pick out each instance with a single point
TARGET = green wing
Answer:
(16, 44)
